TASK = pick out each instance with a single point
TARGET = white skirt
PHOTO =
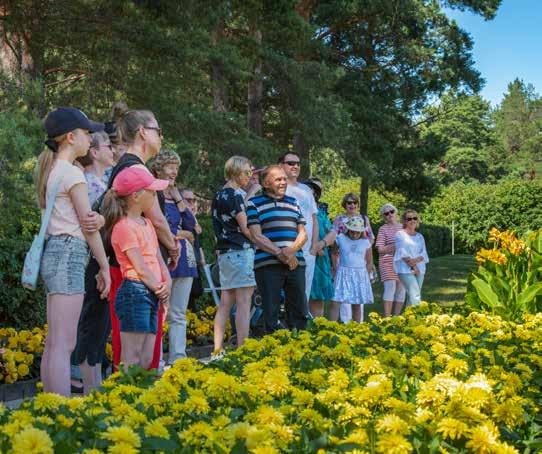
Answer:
(353, 286)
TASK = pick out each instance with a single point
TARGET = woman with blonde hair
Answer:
(139, 131)
(235, 252)
(410, 259)
(394, 291)
(68, 241)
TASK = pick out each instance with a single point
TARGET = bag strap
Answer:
(49, 204)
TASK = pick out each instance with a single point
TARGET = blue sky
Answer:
(508, 46)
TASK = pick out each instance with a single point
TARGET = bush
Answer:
(508, 281)
(429, 381)
(510, 205)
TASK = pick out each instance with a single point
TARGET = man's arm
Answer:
(261, 241)
(163, 233)
(300, 240)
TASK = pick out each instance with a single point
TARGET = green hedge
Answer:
(511, 204)
(438, 239)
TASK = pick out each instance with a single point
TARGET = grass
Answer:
(445, 281)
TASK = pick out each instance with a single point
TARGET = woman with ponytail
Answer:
(138, 130)
(72, 229)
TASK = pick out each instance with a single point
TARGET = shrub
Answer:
(509, 278)
(475, 208)
(428, 381)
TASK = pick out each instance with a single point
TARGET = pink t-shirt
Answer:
(64, 220)
(129, 234)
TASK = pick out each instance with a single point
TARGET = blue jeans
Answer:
(413, 286)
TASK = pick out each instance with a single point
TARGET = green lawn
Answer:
(445, 281)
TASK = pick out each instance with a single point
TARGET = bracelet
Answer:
(178, 201)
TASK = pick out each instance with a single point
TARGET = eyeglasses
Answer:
(155, 128)
(387, 213)
(414, 218)
(351, 202)
(189, 200)
(293, 163)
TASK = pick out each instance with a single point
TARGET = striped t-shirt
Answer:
(279, 220)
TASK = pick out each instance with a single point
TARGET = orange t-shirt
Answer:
(128, 234)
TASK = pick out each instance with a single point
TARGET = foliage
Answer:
(430, 378)
(334, 191)
(18, 353)
(518, 123)
(509, 277)
(512, 204)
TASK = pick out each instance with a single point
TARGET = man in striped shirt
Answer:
(278, 229)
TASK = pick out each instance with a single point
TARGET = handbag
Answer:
(32, 261)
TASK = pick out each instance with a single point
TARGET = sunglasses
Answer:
(415, 218)
(293, 163)
(387, 213)
(155, 128)
(351, 202)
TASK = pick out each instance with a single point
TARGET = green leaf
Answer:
(486, 294)
(529, 294)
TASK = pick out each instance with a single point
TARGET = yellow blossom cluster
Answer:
(431, 380)
(492, 255)
(507, 240)
(18, 353)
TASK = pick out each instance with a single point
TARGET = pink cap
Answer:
(134, 179)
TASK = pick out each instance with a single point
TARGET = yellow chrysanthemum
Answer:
(393, 444)
(156, 429)
(32, 441)
(483, 439)
(451, 428)
(122, 435)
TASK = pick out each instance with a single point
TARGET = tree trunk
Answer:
(220, 88)
(301, 147)
(364, 195)
(255, 90)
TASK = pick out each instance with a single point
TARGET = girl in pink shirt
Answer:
(146, 282)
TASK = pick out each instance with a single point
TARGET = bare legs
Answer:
(316, 308)
(334, 309)
(62, 318)
(92, 376)
(137, 349)
(243, 298)
(357, 312)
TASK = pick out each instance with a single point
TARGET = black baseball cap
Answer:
(66, 119)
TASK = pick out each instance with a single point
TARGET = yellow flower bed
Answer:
(18, 350)
(427, 381)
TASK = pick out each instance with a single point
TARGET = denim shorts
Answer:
(136, 307)
(63, 264)
(236, 269)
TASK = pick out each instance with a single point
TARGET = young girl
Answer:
(71, 231)
(352, 281)
(145, 277)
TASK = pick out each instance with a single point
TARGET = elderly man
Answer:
(291, 164)
(278, 229)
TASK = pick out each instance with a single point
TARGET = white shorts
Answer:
(394, 291)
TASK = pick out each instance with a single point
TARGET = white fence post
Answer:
(453, 237)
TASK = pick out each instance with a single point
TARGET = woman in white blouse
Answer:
(410, 256)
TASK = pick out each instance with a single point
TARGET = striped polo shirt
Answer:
(279, 220)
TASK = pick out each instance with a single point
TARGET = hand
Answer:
(410, 262)
(415, 270)
(185, 235)
(162, 292)
(92, 222)
(198, 229)
(288, 252)
(174, 255)
(320, 253)
(103, 282)
(293, 263)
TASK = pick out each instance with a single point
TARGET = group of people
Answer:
(276, 236)
(123, 248)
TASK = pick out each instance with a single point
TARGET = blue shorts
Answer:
(136, 307)
(236, 269)
(63, 264)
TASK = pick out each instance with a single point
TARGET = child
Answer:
(146, 282)
(71, 231)
(352, 281)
